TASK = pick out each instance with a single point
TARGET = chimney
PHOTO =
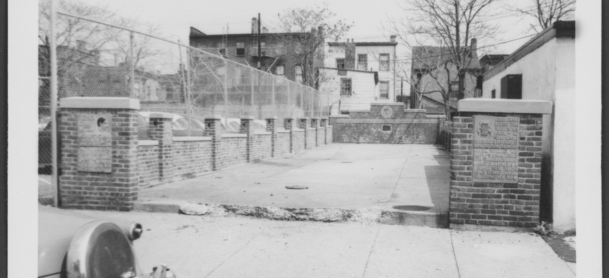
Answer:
(254, 25)
(265, 30)
(392, 38)
(474, 47)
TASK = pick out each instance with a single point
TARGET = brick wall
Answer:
(311, 140)
(116, 190)
(282, 145)
(231, 151)
(148, 165)
(298, 142)
(262, 146)
(191, 158)
(496, 204)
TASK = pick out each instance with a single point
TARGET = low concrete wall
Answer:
(386, 124)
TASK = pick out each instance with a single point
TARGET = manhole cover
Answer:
(296, 187)
(412, 208)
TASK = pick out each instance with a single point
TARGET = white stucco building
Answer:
(359, 73)
(544, 69)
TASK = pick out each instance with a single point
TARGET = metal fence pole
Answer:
(54, 95)
(131, 67)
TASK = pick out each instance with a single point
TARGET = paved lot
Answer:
(204, 246)
(346, 176)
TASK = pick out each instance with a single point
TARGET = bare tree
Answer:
(449, 25)
(546, 12)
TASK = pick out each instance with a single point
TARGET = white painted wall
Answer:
(548, 73)
(363, 87)
(373, 52)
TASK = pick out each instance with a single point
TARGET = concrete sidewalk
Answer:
(402, 183)
(204, 246)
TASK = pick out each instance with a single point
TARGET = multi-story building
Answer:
(277, 54)
(356, 74)
(427, 80)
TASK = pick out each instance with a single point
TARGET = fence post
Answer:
(247, 128)
(271, 126)
(213, 129)
(54, 95)
(160, 129)
(288, 124)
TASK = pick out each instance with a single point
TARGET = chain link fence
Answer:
(96, 59)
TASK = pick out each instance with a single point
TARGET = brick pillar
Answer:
(213, 128)
(98, 153)
(247, 128)
(288, 124)
(271, 126)
(496, 163)
(324, 125)
(315, 127)
(303, 123)
(159, 128)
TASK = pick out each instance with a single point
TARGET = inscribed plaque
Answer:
(495, 149)
(94, 139)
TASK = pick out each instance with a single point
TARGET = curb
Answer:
(367, 215)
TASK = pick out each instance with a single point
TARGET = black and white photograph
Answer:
(281, 138)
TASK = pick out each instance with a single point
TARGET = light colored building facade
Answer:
(366, 69)
(544, 69)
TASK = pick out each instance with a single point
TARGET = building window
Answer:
(298, 71)
(279, 70)
(386, 128)
(384, 62)
(384, 89)
(221, 49)
(240, 49)
(340, 63)
(493, 93)
(362, 61)
(345, 86)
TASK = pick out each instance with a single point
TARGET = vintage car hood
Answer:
(55, 230)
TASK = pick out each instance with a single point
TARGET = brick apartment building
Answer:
(278, 53)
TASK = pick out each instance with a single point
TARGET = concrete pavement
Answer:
(206, 246)
(395, 180)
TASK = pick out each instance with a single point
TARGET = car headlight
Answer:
(101, 249)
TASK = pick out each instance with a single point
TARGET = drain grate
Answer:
(412, 208)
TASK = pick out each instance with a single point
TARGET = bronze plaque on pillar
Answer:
(94, 139)
(495, 149)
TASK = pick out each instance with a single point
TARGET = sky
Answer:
(371, 19)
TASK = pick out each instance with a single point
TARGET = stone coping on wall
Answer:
(148, 142)
(339, 116)
(283, 131)
(435, 116)
(386, 121)
(192, 138)
(387, 103)
(100, 102)
(516, 106)
(262, 133)
(234, 135)
(406, 110)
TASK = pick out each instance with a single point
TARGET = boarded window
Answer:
(340, 63)
(384, 89)
(386, 128)
(384, 62)
(240, 49)
(362, 61)
(345, 86)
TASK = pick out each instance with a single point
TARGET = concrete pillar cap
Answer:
(273, 118)
(214, 117)
(248, 118)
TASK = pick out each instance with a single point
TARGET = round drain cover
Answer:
(412, 208)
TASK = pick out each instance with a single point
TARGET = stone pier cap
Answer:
(100, 102)
(516, 106)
